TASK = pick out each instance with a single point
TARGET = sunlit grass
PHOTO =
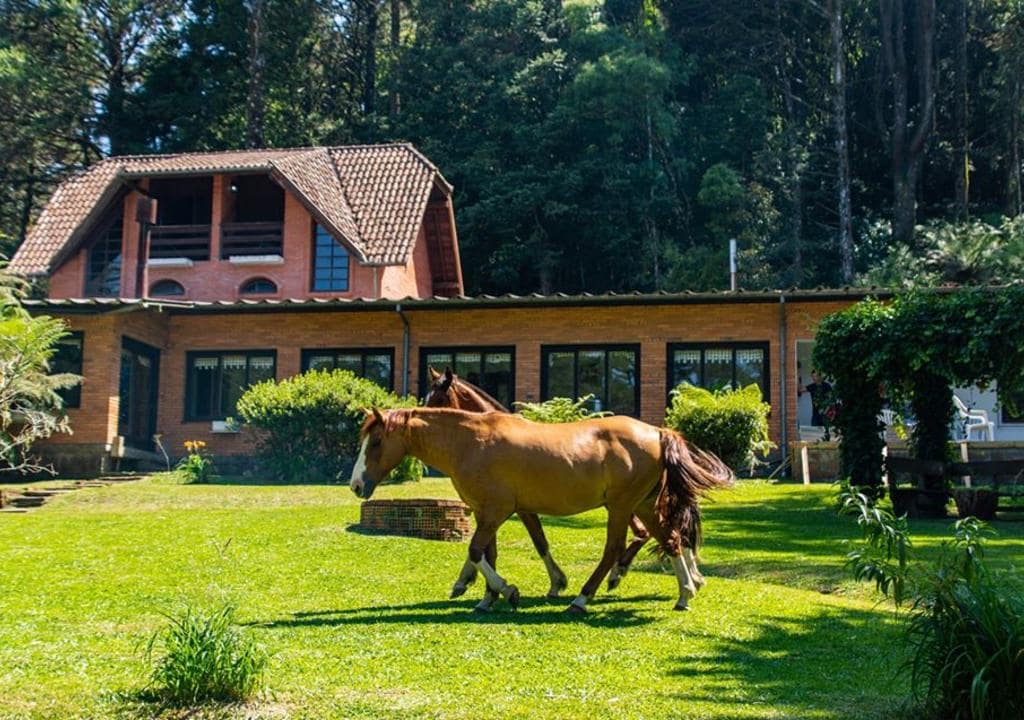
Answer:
(359, 626)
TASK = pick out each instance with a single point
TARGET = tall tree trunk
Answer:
(255, 135)
(794, 149)
(370, 59)
(27, 202)
(394, 99)
(908, 144)
(842, 140)
(1013, 180)
(962, 157)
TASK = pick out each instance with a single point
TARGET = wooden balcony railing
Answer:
(180, 241)
(250, 238)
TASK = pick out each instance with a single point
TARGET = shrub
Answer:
(965, 626)
(559, 410)
(196, 467)
(308, 425)
(204, 656)
(733, 424)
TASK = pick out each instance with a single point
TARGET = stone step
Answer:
(11, 510)
(26, 502)
(42, 493)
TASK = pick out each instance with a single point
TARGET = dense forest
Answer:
(613, 145)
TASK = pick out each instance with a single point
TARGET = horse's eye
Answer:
(375, 442)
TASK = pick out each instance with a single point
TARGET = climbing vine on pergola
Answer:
(911, 351)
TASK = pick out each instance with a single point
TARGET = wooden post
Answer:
(964, 456)
(805, 463)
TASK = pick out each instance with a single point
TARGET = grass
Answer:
(358, 626)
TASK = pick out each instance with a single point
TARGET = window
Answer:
(215, 380)
(490, 368)
(166, 288)
(717, 365)
(258, 286)
(371, 363)
(330, 263)
(611, 373)
(183, 201)
(104, 271)
(68, 359)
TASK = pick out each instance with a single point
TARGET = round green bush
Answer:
(307, 426)
(733, 424)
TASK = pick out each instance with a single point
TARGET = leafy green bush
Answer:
(733, 424)
(201, 656)
(559, 410)
(965, 625)
(308, 425)
(196, 467)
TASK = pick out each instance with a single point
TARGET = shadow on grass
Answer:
(532, 611)
(835, 663)
(139, 704)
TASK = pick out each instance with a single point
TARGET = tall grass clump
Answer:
(732, 424)
(204, 656)
(965, 624)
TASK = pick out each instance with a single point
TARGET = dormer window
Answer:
(166, 288)
(330, 263)
(258, 286)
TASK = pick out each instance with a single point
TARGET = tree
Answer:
(30, 408)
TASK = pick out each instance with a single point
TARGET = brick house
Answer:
(184, 278)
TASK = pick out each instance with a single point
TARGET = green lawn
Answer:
(359, 625)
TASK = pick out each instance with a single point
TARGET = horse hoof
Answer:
(511, 593)
(457, 591)
(481, 610)
(613, 582)
(681, 606)
(575, 609)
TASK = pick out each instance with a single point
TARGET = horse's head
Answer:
(382, 445)
(442, 389)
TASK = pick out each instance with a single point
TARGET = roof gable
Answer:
(372, 197)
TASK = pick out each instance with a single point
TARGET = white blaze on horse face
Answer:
(359, 469)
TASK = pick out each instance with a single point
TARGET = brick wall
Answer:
(527, 329)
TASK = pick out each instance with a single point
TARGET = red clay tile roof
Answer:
(371, 196)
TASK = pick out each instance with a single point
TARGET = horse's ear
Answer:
(448, 374)
(434, 374)
(377, 415)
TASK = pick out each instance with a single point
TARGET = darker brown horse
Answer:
(449, 390)
(502, 464)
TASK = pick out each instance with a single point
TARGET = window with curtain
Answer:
(717, 365)
(376, 364)
(490, 368)
(216, 380)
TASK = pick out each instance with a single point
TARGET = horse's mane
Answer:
(468, 387)
(392, 420)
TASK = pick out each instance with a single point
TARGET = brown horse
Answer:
(502, 464)
(449, 390)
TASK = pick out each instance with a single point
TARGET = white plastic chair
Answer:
(975, 421)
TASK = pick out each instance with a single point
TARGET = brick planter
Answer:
(427, 519)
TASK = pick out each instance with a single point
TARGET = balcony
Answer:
(186, 242)
(252, 241)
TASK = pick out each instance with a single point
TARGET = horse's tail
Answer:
(689, 474)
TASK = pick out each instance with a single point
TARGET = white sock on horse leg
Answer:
(580, 602)
(494, 581)
(690, 558)
(686, 587)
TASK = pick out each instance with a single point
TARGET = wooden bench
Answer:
(1005, 478)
